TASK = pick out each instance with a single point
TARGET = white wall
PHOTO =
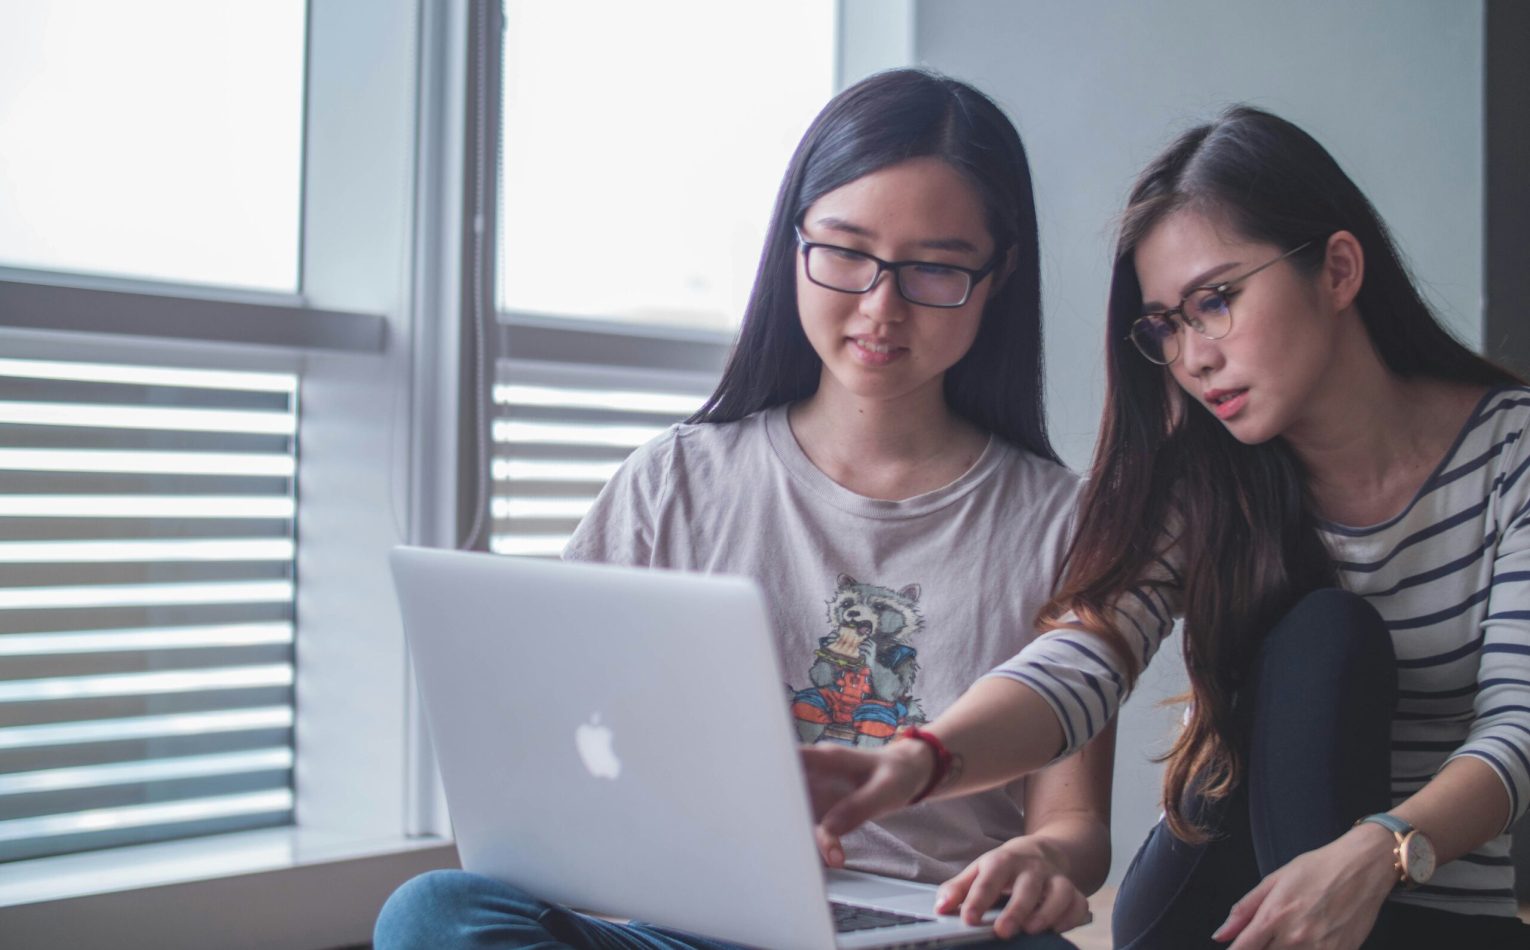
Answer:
(1393, 88)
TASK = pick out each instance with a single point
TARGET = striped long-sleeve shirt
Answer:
(1450, 576)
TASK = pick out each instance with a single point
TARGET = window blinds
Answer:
(561, 430)
(146, 603)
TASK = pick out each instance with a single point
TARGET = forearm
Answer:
(1461, 807)
(1077, 845)
(1340, 887)
(999, 730)
(1067, 811)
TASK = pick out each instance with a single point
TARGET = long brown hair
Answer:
(1166, 473)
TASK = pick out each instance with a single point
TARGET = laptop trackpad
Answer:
(874, 889)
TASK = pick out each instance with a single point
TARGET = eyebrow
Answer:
(833, 223)
(1203, 279)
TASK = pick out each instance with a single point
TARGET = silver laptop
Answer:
(619, 741)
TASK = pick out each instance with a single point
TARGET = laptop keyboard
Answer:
(849, 918)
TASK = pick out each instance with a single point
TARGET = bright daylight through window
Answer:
(135, 148)
(638, 176)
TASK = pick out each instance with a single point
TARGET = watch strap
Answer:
(1390, 822)
(1401, 830)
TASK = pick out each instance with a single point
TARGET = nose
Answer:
(1197, 355)
(883, 303)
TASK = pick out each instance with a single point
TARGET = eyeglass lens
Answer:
(849, 271)
(1205, 311)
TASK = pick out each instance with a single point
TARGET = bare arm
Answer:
(1067, 809)
(997, 731)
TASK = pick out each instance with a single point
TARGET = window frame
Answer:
(383, 147)
(395, 148)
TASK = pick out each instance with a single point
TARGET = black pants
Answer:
(1325, 685)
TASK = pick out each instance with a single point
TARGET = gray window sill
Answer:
(276, 888)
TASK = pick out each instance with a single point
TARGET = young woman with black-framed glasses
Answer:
(876, 457)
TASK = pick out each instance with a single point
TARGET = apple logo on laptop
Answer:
(593, 741)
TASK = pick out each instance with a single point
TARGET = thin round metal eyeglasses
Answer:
(1206, 310)
(921, 282)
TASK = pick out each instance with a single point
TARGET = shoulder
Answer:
(688, 456)
(1499, 431)
(1505, 410)
(1505, 417)
(1487, 471)
(1041, 496)
(1042, 481)
(709, 444)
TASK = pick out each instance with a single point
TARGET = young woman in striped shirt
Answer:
(1332, 493)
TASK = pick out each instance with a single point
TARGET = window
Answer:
(208, 447)
(637, 180)
(340, 268)
(141, 142)
(147, 519)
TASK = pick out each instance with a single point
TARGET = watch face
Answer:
(1418, 858)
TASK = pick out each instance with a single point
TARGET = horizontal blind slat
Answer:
(145, 506)
(146, 727)
(151, 770)
(241, 380)
(247, 464)
(51, 688)
(148, 638)
(139, 816)
(74, 552)
(115, 595)
(118, 417)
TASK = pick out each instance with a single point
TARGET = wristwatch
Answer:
(1414, 854)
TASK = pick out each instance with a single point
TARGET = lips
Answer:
(876, 352)
(1226, 403)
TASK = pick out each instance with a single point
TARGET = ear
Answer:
(1003, 272)
(1343, 269)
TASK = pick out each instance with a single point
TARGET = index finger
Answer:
(857, 808)
(829, 847)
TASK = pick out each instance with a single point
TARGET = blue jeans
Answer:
(455, 909)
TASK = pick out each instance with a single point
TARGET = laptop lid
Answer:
(617, 740)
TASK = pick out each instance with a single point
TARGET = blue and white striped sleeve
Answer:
(1080, 673)
(1500, 733)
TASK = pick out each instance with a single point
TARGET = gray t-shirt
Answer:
(886, 611)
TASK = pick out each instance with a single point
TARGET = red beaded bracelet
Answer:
(942, 759)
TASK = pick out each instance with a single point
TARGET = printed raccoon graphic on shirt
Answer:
(863, 672)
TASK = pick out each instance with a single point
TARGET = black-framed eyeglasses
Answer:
(1206, 310)
(921, 282)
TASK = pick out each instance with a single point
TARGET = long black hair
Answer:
(1247, 532)
(883, 120)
